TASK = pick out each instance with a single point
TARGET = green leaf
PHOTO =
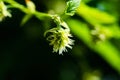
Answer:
(72, 5)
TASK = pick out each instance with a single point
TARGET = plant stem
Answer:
(21, 7)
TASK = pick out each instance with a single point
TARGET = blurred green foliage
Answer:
(95, 27)
(104, 21)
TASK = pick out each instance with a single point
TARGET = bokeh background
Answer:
(26, 55)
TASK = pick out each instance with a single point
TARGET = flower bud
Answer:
(30, 6)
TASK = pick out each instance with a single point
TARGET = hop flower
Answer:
(3, 11)
(59, 38)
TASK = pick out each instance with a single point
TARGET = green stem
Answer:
(41, 15)
(21, 7)
(17, 5)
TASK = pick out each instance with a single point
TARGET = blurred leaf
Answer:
(112, 31)
(95, 16)
(115, 30)
(109, 53)
(25, 19)
(99, 18)
(105, 49)
(81, 30)
(72, 5)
